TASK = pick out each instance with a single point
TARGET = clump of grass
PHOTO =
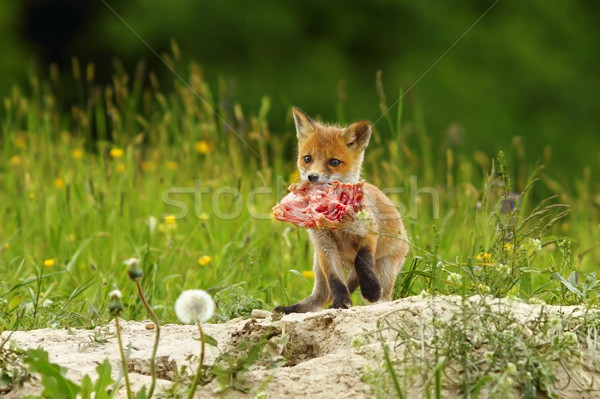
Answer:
(233, 302)
(13, 371)
(481, 348)
(500, 255)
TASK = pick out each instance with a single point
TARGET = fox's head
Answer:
(328, 153)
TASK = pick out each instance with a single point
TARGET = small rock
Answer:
(259, 314)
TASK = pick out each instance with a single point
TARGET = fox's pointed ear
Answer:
(357, 135)
(304, 125)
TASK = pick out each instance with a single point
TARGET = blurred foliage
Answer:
(525, 69)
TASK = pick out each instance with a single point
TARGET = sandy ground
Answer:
(318, 355)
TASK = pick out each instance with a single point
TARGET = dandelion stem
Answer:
(123, 359)
(156, 338)
(200, 363)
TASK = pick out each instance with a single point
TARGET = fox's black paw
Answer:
(341, 303)
(287, 309)
(370, 289)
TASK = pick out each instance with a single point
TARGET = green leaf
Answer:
(571, 286)
(590, 283)
(525, 284)
(56, 385)
(142, 394)
(87, 388)
(104, 380)
(208, 340)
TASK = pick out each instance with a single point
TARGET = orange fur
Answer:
(371, 250)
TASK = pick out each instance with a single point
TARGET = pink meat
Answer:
(320, 205)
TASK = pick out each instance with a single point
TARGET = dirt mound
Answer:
(329, 354)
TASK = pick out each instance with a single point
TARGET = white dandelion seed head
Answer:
(115, 294)
(194, 306)
(131, 262)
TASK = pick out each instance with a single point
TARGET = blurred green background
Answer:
(527, 68)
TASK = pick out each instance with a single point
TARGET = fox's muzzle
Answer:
(313, 177)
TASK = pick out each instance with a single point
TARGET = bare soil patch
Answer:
(324, 354)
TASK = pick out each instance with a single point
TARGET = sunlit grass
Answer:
(138, 171)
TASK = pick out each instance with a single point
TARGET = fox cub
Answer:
(372, 248)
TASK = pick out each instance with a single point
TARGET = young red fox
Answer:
(372, 248)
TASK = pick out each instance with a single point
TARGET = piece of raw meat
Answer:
(321, 205)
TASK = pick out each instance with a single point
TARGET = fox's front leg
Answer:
(315, 301)
(330, 266)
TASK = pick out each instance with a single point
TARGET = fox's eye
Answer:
(307, 159)
(334, 162)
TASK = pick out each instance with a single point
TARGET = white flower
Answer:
(132, 262)
(194, 306)
(115, 294)
(504, 269)
(454, 278)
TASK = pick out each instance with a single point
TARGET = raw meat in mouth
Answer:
(321, 205)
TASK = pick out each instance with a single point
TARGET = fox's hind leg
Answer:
(387, 269)
(315, 301)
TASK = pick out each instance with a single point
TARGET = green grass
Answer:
(68, 194)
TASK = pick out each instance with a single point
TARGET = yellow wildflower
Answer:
(50, 262)
(20, 142)
(507, 246)
(308, 273)
(203, 216)
(59, 183)
(121, 167)
(6, 245)
(15, 160)
(203, 147)
(485, 257)
(170, 219)
(204, 260)
(31, 195)
(171, 165)
(77, 153)
(147, 166)
(117, 153)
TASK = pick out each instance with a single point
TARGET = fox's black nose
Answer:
(313, 177)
